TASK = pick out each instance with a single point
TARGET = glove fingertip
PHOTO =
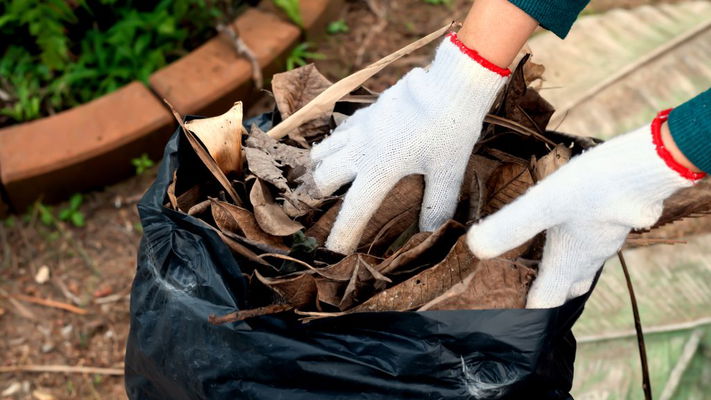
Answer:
(481, 244)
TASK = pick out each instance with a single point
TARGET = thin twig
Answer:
(65, 291)
(67, 369)
(288, 258)
(380, 12)
(49, 303)
(241, 315)
(242, 49)
(633, 241)
(646, 382)
(517, 128)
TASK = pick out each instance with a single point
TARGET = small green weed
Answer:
(46, 214)
(9, 222)
(142, 163)
(300, 56)
(291, 9)
(439, 2)
(337, 27)
(72, 213)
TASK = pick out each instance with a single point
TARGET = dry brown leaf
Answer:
(342, 284)
(324, 102)
(425, 286)
(200, 207)
(423, 248)
(242, 315)
(241, 250)
(494, 284)
(298, 291)
(237, 220)
(524, 105)
(293, 90)
(533, 72)
(205, 157)
(690, 202)
(322, 227)
(222, 136)
(171, 191)
(507, 183)
(189, 198)
(399, 210)
(266, 157)
(270, 217)
(550, 163)
(474, 190)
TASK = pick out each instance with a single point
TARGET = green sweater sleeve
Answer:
(555, 15)
(690, 126)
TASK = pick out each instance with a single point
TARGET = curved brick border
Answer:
(91, 145)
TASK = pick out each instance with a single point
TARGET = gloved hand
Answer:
(427, 123)
(588, 207)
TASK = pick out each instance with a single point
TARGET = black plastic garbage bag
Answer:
(185, 273)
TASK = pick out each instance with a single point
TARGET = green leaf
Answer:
(65, 214)
(45, 214)
(75, 201)
(78, 219)
(336, 27)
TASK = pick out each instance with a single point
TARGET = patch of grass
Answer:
(59, 54)
(301, 55)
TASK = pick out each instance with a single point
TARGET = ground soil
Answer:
(92, 267)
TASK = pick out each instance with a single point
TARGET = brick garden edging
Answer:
(91, 145)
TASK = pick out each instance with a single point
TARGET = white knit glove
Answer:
(588, 207)
(427, 123)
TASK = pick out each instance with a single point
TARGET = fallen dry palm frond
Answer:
(276, 229)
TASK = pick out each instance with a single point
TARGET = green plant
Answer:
(300, 56)
(45, 213)
(336, 27)
(58, 54)
(439, 2)
(142, 163)
(9, 222)
(72, 213)
(291, 9)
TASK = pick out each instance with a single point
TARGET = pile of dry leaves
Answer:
(253, 190)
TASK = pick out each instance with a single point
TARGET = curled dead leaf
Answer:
(205, 156)
(270, 217)
(222, 136)
(293, 90)
(552, 161)
(299, 291)
(236, 220)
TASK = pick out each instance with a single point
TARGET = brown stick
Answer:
(49, 303)
(646, 382)
(245, 314)
(69, 369)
